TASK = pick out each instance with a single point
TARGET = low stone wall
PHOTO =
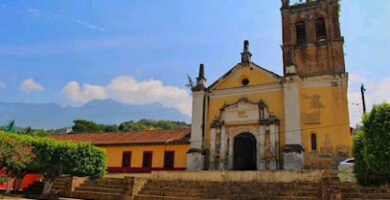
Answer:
(244, 176)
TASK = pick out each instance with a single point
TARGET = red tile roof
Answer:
(175, 136)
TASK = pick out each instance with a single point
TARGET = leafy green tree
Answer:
(84, 126)
(109, 128)
(15, 156)
(131, 126)
(56, 157)
(151, 124)
(372, 149)
(20, 154)
(86, 160)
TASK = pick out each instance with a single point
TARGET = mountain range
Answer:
(53, 116)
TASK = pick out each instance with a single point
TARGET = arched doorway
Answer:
(245, 152)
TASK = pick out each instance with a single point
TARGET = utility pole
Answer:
(362, 90)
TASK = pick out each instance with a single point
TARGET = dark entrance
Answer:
(245, 152)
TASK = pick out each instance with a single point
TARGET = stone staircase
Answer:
(100, 189)
(351, 191)
(133, 188)
(190, 190)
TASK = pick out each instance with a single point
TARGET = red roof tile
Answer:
(130, 138)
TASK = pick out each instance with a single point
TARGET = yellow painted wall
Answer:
(254, 74)
(324, 111)
(114, 155)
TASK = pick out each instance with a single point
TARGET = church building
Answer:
(254, 119)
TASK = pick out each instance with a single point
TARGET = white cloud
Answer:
(90, 26)
(377, 92)
(35, 12)
(29, 85)
(2, 85)
(128, 90)
(73, 92)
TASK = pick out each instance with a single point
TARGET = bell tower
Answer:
(312, 42)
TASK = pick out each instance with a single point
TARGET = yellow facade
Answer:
(115, 153)
(254, 119)
(323, 111)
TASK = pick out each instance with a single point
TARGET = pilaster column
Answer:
(195, 155)
(230, 155)
(277, 146)
(212, 148)
(222, 149)
(261, 143)
(292, 151)
(272, 162)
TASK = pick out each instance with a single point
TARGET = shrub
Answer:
(15, 156)
(51, 158)
(371, 147)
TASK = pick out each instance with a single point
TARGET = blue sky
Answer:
(73, 51)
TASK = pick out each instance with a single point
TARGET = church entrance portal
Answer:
(245, 152)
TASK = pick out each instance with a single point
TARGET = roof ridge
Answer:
(124, 132)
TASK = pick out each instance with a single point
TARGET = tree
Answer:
(151, 124)
(131, 126)
(15, 156)
(371, 147)
(84, 126)
(57, 157)
(20, 154)
(109, 128)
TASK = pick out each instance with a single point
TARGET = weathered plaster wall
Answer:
(324, 111)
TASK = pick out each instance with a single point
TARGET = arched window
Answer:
(301, 32)
(320, 29)
(313, 141)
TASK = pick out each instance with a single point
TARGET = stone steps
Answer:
(97, 195)
(366, 195)
(354, 192)
(100, 189)
(233, 193)
(168, 189)
(151, 197)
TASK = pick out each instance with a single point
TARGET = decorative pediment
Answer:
(244, 112)
(252, 73)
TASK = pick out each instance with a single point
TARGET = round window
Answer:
(245, 82)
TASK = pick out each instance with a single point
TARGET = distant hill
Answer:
(52, 116)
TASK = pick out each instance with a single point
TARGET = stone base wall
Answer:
(292, 184)
(244, 176)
